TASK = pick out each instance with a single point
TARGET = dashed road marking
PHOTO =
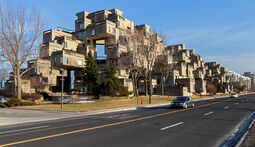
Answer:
(174, 125)
(208, 113)
(226, 107)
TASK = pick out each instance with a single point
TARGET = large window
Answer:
(81, 26)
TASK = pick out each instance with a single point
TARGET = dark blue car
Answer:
(182, 102)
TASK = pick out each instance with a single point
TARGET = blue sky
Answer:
(219, 30)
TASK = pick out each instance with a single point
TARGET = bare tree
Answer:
(132, 56)
(138, 51)
(153, 46)
(211, 88)
(19, 33)
(164, 67)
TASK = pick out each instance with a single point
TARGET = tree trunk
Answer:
(136, 86)
(145, 86)
(15, 84)
(162, 86)
(19, 85)
(133, 83)
(150, 87)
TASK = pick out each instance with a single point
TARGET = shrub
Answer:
(16, 102)
(13, 102)
(2, 106)
(108, 88)
(123, 91)
(27, 103)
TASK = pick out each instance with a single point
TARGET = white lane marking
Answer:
(208, 113)
(226, 107)
(25, 129)
(45, 129)
(237, 103)
(171, 126)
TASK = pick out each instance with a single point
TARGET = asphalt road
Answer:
(209, 123)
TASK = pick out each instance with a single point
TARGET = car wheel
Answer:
(193, 105)
(185, 106)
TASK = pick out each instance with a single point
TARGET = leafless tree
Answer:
(19, 33)
(153, 46)
(132, 57)
(211, 88)
(163, 67)
(138, 51)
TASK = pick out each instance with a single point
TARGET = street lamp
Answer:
(62, 86)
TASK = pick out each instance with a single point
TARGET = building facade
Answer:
(175, 69)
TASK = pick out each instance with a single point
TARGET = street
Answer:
(209, 123)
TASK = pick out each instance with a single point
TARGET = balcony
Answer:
(48, 48)
(67, 59)
(102, 30)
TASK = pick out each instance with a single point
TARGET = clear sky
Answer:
(219, 30)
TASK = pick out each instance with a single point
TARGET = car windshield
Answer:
(182, 99)
(233, 93)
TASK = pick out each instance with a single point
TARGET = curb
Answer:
(153, 105)
(237, 136)
(246, 133)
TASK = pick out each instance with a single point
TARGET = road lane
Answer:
(147, 131)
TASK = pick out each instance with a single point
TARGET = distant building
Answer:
(252, 76)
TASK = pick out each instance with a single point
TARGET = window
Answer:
(92, 32)
(38, 70)
(50, 70)
(66, 44)
(60, 60)
(113, 30)
(81, 35)
(79, 62)
(65, 60)
(118, 23)
(81, 26)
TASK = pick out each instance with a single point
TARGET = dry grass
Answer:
(107, 103)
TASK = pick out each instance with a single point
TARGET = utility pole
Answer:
(62, 86)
